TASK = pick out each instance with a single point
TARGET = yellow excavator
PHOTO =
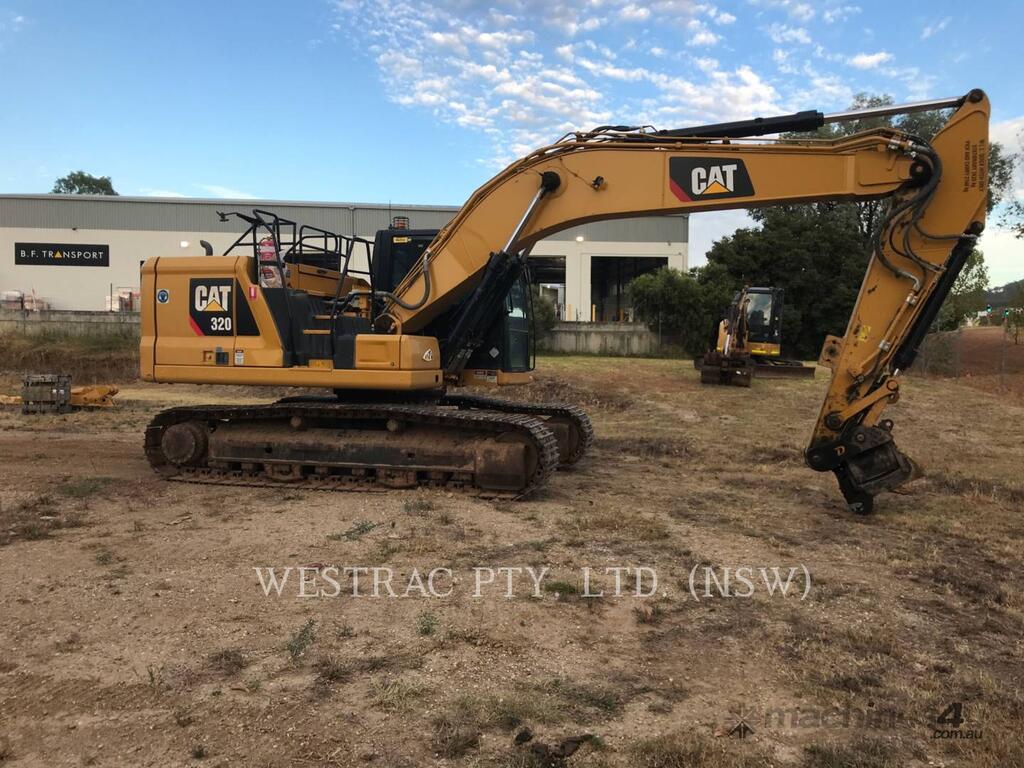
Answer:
(749, 342)
(298, 314)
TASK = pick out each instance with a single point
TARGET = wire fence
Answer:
(994, 354)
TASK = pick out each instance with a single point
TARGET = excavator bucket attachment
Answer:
(717, 368)
(778, 368)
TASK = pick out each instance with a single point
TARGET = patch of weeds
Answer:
(156, 677)
(253, 684)
(347, 630)
(395, 695)
(83, 487)
(229, 661)
(417, 507)
(561, 589)
(685, 750)
(355, 532)
(508, 712)
(35, 530)
(858, 753)
(330, 670)
(648, 614)
(72, 519)
(199, 752)
(597, 697)
(104, 557)
(426, 623)
(301, 640)
(457, 730)
(385, 549)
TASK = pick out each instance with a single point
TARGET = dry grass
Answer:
(89, 359)
(908, 608)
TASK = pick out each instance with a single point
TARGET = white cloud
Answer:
(802, 12)
(780, 33)
(700, 34)
(634, 13)
(218, 190)
(934, 29)
(521, 73)
(869, 60)
(704, 37)
(840, 13)
(1010, 133)
(1003, 252)
(707, 227)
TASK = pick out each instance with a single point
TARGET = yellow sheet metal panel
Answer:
(299, 376)
(377, 352)
(147, 340)
(420, 353)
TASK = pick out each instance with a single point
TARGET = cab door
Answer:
(518, 352)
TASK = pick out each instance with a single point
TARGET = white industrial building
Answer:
(83, 252)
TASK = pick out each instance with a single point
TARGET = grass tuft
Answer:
(301, 640)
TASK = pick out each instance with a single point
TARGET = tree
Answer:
(967, 295)
(818, 253)
(544, 313)
(82, 183)
(1015, 314)
(814, 252)
(672, 303)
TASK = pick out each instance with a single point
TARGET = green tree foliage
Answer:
(673, 304)
(818, 253)
(968, 294)
(1015, 314)
(815, 253)
(82, 183)
(544, 313)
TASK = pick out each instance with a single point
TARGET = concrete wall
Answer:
(70, 322)
(614, 339)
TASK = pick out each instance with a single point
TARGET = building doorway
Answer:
(609, 276)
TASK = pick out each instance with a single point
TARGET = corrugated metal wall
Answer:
(190, 215)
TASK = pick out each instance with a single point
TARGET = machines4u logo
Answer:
(210, 309)
(708, 178)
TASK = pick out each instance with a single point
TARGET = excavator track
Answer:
(324, 445)
(573, 443)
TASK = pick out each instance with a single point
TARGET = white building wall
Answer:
(87, 288)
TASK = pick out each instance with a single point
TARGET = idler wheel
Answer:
(184, 444)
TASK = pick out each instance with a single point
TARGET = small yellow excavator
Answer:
(749, 342)
(292, 310)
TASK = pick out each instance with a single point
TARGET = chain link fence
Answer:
(992, 356)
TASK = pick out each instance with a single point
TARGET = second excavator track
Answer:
(575, 445)
(334, 446)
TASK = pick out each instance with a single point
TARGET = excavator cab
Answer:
(764, 321)
(506, 353)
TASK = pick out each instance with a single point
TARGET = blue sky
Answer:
(420, 102)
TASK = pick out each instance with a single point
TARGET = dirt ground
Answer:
(135, 630)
